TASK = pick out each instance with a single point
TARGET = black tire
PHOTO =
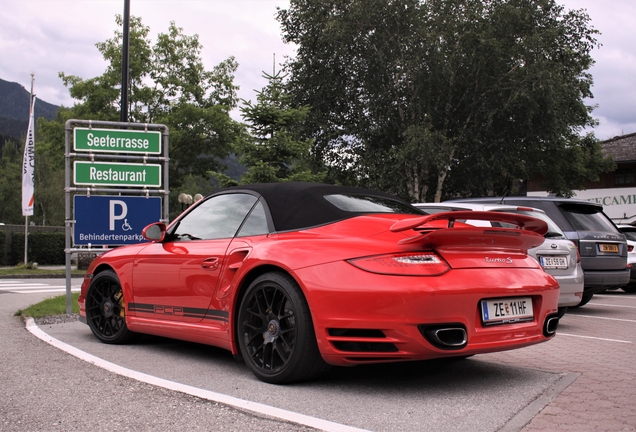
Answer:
(275, 332)
(562, 311)
(585, 299)
(629, 289)
(105, 309)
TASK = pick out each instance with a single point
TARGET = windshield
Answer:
(587, 218)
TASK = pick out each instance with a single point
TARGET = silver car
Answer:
(630, 233)
(557, 255)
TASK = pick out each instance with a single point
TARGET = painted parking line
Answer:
(614, 306)
(605, 318)
(592, 337)
(242, 404)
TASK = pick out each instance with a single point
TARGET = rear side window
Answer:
(369, 204)
(586, 218)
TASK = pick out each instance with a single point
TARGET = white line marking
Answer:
(610, 305)
(21, 287)
(605, 318)
(592, 337)
(36, 291)
(282, 414)
(623, 296)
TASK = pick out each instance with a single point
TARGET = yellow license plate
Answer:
(611, 248)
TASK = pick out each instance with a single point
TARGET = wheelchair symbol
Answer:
(126, 226)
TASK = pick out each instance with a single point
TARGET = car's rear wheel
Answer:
(275, 332)
(105, 309)
(562, 311)
(629, 289)
(585, 299)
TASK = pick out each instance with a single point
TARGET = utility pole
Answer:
(124, 62)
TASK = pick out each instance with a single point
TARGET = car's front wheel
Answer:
(275, 332)
(105, 309)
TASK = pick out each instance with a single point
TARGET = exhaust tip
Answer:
(446, 336)
(550, 325)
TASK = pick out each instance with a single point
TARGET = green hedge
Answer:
(45, 248)
(3, 242)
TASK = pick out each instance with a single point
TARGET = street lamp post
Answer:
(185, 200)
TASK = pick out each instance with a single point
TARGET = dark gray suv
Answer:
(602, 247)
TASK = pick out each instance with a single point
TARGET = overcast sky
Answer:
(45, 37)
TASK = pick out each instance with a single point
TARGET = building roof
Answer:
(623, 147)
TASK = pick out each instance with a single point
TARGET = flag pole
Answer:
(27, 170)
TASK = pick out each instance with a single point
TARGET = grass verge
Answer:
(21, 271)
(50, 307)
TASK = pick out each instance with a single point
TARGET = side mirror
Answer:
(155, 232)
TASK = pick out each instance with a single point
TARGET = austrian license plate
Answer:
(506, 310)
(608, 247)
(553, 262)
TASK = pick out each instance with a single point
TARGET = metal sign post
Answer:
(112, 158)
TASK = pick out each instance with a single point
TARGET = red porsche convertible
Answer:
(294, 277)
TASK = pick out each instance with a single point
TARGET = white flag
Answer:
(28, 164)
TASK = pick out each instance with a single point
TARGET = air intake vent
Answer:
(356, 333)
(359, 347)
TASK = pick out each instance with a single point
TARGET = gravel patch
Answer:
(57, 319)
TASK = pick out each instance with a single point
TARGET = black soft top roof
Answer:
(296, 205)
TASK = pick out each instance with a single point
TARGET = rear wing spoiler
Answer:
(431, 223)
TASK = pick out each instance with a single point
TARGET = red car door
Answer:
(176, 280)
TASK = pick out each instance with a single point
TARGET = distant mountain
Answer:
(14, 109)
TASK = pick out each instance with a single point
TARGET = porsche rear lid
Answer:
(465, 246)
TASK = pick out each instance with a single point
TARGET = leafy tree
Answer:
(275, 153)
(434, 98)
(169, 85)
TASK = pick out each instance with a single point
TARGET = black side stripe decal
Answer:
(188, 312)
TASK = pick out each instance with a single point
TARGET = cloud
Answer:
(614, 84)
(48, 36)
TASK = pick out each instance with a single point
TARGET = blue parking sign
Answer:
(113, 220)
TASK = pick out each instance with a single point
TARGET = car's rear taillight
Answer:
(578, 255)
(630, 248)
(426, 263)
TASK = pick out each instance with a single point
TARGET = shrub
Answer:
(45, 248)
(3, 242)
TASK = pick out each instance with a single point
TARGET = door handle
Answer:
(210, 263)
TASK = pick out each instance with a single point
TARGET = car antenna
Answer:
(504, 196)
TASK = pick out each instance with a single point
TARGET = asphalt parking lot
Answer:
(581, 380)
(597, 341)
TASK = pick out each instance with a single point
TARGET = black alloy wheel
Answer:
(105, 309)
(275, 331)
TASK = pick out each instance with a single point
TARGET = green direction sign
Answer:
(116, 174)
(116, 140)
